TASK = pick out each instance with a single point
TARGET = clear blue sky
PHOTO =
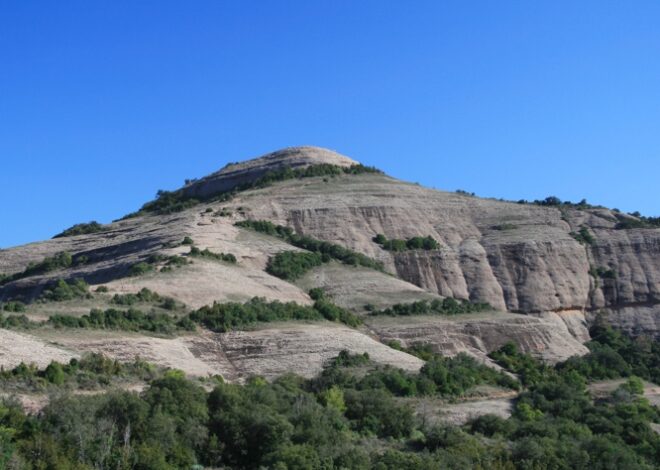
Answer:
(103, 103)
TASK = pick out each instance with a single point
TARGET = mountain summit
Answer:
(234, 175)
(393, 262)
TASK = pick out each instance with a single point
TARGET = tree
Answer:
(54, 373)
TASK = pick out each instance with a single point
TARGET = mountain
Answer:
(546, 269)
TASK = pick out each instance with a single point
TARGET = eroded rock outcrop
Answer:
(517, 257)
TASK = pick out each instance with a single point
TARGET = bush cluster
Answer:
(415, 243)
(126, 320)
(206, 253)
(168, 202)
(322, 251)
(601, 272)
(641, 222)
(144, 296)
(554, 201)
(440, 376)
(16, 321)
(291, 265)
(14, 306)
(91, 371)
(584, 236)
(446, 306)
(67, 290)
(223, 317)
(81, 229)
(61, 260)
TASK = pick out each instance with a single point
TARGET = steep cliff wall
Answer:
(518, 257)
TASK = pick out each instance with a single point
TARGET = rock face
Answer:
(520, 258)
(545, 336)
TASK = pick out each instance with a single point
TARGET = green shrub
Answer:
(67, 290)
(81, 229)
(346, 359)
(222, 317)
(138, 269)
(504, 227)
(14, 306)
(206, 253)
(640, 222)
(125, 320)
(455, 376)
(290, 265)
(529, 369)
(317, 293)
(326, 249)
(584, 236)
(145, 296)
(54, 373)
(447, 306)
(414, 243)
(59, 261)
(601, 272)
(376, 412)
(16, 321)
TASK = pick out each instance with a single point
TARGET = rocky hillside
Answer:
(546, 269)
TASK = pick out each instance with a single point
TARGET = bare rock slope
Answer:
(520, 258)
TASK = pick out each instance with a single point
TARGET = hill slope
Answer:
(554, 268)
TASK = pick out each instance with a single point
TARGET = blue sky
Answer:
(103, 103)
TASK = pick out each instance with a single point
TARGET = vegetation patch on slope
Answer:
(168, 202)
(291, 265)
(146, 296)
(584, 236)
(61, 260)
(206, 253)
(353, 415)
(415, 243)
(63, 290)
(447, 306)
(222, 317)
(82, 229)
(90, 372)
(641, 222)
(126, 320)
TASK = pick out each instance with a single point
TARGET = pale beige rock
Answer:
(517, 257)
(18, 347)
(545, 336)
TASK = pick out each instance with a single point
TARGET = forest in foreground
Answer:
(353, 415)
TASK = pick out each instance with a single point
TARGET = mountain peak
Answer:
(236, 174)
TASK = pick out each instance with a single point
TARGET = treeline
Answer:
(91, 371)
(222, 317)
(61, 260)
(292, 265)
(126, 320)
(641, 222)
(415, 243)
(446, 306)
(624, 223)
(354, 415)
(131, 319)
(219, 317)
(168, 202)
